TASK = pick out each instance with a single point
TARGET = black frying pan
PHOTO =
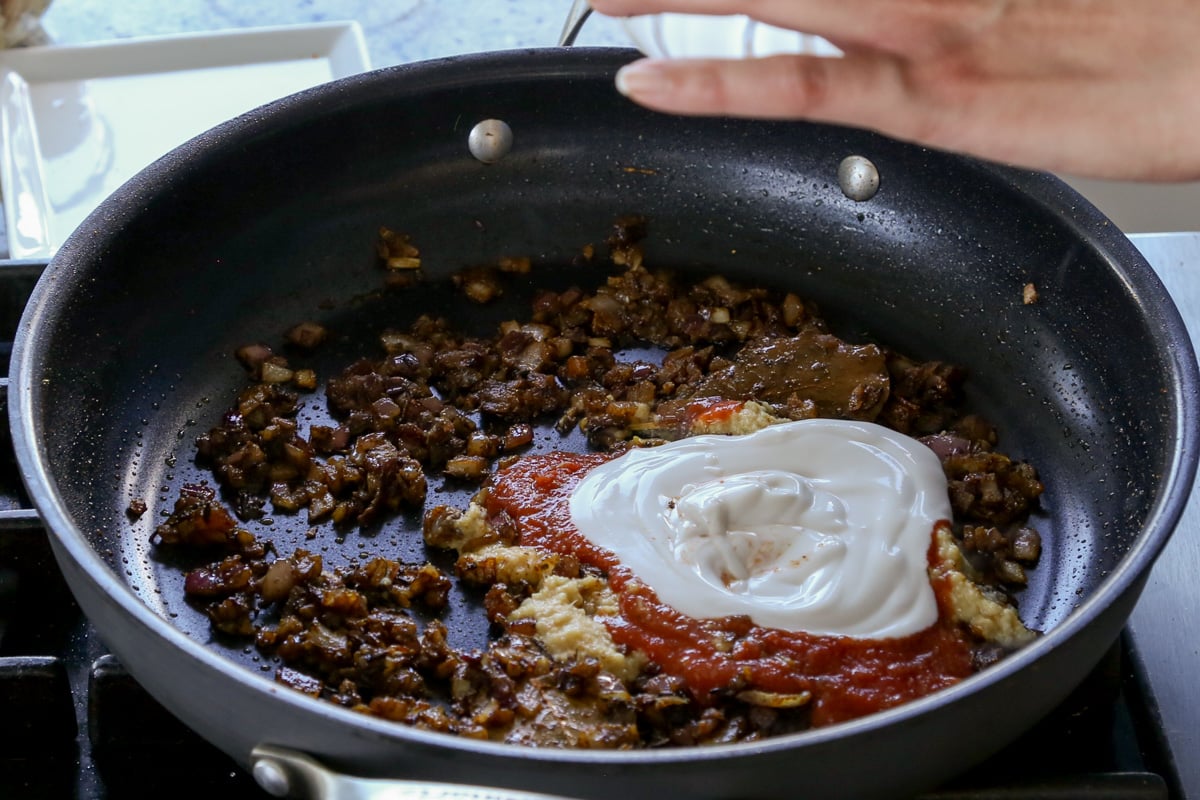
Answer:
(124, 354)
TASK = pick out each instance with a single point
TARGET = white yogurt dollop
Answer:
(822, 526)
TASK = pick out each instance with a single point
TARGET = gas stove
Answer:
(75, 725)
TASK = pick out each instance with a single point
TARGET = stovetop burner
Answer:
(76, 725)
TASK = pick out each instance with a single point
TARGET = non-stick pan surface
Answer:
(125, 354)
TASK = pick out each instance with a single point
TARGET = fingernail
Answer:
(641, 78)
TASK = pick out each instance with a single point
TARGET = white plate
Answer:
(702, 36)
(78, 121)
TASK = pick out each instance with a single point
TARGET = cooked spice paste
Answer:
(843, 677)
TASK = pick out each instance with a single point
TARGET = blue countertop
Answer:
(397, 31)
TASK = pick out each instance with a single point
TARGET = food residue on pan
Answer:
(773, 529)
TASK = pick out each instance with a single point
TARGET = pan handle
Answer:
(285, 773)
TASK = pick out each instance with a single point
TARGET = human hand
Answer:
(1098, 88)
(19, 22)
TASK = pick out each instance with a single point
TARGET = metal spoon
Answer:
(580, 11)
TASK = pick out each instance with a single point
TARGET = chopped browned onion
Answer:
(757, 697)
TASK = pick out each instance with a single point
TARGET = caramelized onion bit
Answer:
(307, 335)
(757, 697)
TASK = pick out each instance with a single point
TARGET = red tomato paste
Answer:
(847, 677)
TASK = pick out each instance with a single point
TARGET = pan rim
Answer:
(70, 541)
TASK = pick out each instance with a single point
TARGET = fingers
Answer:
(863, 90)
(909, 26)
(1109, 93)
(854, 91)
(626, 8)
(1051, 126)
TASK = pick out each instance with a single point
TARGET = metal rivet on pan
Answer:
(272, 778)
(490, 140)
(858, 178)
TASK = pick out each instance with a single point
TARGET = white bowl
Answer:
(702, 36)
